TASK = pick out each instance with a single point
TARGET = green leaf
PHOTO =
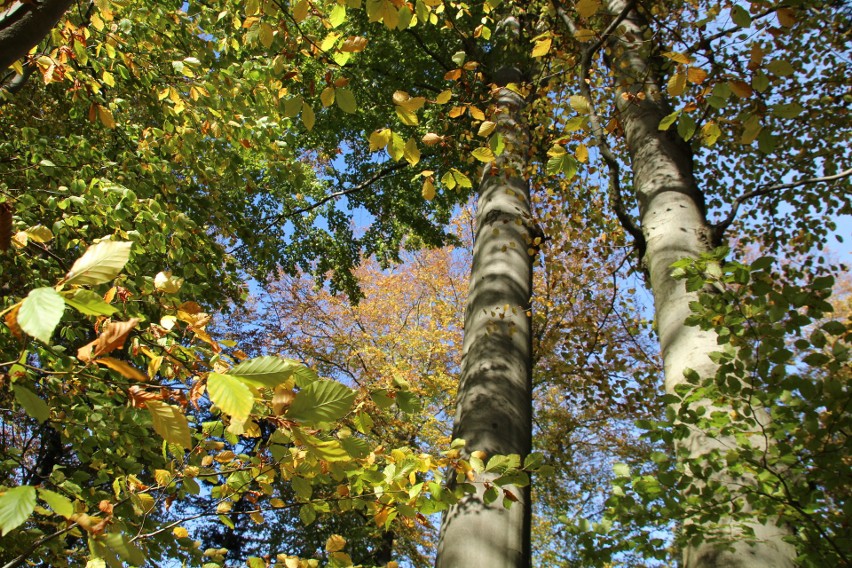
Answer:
(621, 470)
(356, 447)
(307, 514)
(16, 506)
(266, 371)
(60, 504)
(40, 313)
(788, 110)
(564, 164)
(308, 116)
(345, 99)
(668, 120)
(302, 488)
(408, 402)
(322, 401)
(231, 395)
(686, 127)
(740, 16)
(170, 423)
(337, 15)
(31, 402)
(100, 263)
(88, 302)
(119, 545)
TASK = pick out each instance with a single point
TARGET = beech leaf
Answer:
(170, 423)
(100, 263)
(321, 401)
(40, 313)
(231, 395)
(31, 403)
(16, 506)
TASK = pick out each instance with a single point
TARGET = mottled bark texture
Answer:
(674, 224)
(494, 410)
(24, 24)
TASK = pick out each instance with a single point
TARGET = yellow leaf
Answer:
(406, 101)
(587, 8)
(379, 139)
(411, 152)
(541, 47)
(180, 532)
(556, 151)
(97, 22)
(354, 44)
(483, 154)
(428, 190)
(267, 35)
(582, 153)
(308, 116)
(430, 138)
(678, 57)
(580, 104)
(407, 117)
(106, 116)
(108, 79)
(444, 97)
(677, 84)
(335, 543)
(710, 132)
(457, 111)
(327, 96)
(584, 35)
(696, 75)
(476, 114)
(300, 10)
(486, 128)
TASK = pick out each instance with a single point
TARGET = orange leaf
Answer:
(741, 89)
(12, 322)
(139, 396)
(111, 339)
(122, 367)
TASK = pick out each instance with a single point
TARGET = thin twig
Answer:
(722, 226)
(361, 186)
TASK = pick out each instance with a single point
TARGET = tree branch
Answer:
(597, 130)
(722, 226)
(24, 24)
(361, 186)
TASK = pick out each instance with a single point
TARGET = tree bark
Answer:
(494, 409)
(24, 24)
(674, 224)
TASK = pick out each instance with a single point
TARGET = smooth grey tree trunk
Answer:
(494, 409)
(674, 223)
(24, 24)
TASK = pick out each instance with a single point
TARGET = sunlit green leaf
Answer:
(40, 313)
(16, 506)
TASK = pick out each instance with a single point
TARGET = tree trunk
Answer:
(24, 24)
(674, 224)
(494, 411)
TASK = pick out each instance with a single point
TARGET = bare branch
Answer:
(722, 226)
(597, 129)
(361, 186)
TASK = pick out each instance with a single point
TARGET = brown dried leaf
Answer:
(111, 339)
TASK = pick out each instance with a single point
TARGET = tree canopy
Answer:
(217, 306)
